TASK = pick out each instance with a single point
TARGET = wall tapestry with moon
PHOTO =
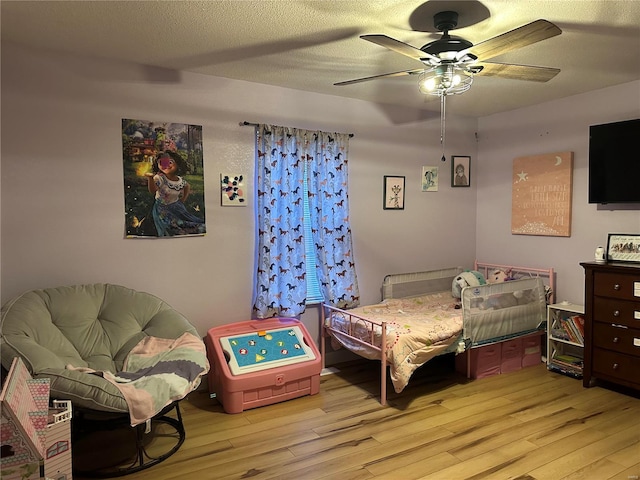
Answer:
(541, 195)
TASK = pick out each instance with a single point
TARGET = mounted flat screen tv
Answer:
(614, 162)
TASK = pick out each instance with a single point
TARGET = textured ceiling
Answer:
(310, 45)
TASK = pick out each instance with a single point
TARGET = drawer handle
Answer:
(616, 313)
(616, 286)
(615, 366)
(616, 339)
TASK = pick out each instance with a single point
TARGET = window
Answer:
(304, 240)
(57, 448)
(314, 295)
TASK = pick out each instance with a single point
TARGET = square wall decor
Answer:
(232, 190)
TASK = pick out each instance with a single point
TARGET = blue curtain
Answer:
(281, 286)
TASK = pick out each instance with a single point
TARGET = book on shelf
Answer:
(570, 362)
(573, 327)
(568, 358)
(578, 320)
(565, 371)
(560, 333)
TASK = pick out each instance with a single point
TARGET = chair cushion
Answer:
(91, 326)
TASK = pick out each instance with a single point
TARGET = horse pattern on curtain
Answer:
(282, 153)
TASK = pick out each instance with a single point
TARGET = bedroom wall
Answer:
(62, 182)
(558, 126)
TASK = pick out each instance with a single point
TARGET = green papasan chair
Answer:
(124, 358)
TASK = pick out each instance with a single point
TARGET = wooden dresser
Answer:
(612, 323)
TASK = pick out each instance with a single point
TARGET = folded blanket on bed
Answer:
(157, 372)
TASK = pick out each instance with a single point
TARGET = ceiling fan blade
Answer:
(384, 75)
(400, 47)
(520, 37)
(518, 72)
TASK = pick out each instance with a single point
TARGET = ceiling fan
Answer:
(455, 53)
(451, 62)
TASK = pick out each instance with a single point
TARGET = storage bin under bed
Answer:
(502, 357)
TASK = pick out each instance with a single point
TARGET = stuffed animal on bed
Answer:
(495, 302)
(470, 278)
(497, 276)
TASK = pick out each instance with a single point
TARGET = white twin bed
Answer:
(419, 318)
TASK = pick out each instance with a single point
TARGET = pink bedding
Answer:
(418, 329)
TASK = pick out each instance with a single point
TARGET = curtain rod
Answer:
(245, 123)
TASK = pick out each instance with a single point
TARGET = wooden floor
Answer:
(531, 424)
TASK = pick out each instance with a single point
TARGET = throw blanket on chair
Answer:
(157, 372)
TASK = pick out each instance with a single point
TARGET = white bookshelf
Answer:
(565, 338)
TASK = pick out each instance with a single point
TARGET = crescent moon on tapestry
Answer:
(541, 195)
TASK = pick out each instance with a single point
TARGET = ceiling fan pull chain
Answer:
(442, 123)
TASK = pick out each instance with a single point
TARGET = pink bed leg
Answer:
(383, 363)
(322, 339)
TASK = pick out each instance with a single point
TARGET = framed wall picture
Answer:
(429, 179)
(623, 247)
(460, 171)
(393, 193)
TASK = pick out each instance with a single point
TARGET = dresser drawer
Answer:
(623, 340)
(622, 312)
(616, 285)
(616, 365)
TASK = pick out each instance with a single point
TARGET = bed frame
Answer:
(419, 283)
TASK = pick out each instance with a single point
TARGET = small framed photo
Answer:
(429, 179)
(460, 171)
(622, 247)
(393, 193)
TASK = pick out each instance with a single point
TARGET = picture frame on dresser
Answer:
(623, 247)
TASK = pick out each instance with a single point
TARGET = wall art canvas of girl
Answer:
(163, 179)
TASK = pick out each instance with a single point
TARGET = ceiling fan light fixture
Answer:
(427, 85)
(445, 80)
